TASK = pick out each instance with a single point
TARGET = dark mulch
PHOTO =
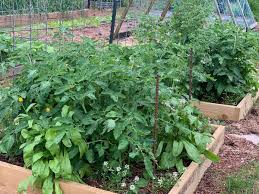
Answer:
(234, 154)
(18, 161)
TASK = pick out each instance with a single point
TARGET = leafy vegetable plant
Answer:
(72, 110)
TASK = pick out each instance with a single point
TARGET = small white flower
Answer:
(124, 172)
(123, 185)
(118, 169)
(127, 167)
(136, 179)
(175, 174)
(132, 187)
(105, 163)
(160, 181)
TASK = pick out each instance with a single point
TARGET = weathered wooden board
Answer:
(11, 175)
(227, 112)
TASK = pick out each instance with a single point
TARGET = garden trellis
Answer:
(45, 19)
(237, 11)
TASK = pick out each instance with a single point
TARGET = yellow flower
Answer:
(20, 99)
(47, 109)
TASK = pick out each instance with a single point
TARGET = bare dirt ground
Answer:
(100, 33)
(235, 153)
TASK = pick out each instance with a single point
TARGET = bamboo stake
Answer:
(242, 13)
(190, 73)
(231, 12)
(218, 10)
(123, 16)
(166, 9)
(150, 6)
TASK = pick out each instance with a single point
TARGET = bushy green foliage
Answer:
(224, 57)
(255, 8)
(23, 6)
(228, 63)
(69, 111)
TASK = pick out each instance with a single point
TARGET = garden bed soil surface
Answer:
(186, 184)
(100, 33)
(235, 153)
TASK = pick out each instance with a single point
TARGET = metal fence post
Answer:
(114, 12)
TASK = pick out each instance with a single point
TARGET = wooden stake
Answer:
(190, 73)
(155, 130)
(166, 9)
(150, 6)
(123, 16)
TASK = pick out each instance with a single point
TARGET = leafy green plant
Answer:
(227, 63)
(255, 8)
(69, 111)
(224, 56)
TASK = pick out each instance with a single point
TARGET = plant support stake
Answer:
(190, 73)
(122, 19)
(166, 9)
(114, 12)
(155, 131)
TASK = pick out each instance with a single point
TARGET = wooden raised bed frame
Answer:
(11, 175)
(227, 112)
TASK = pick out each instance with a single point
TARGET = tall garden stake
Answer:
(190, 73)
(114, 12)
(155, 130)
(122, 19)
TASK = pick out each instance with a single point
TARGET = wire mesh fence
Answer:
(52, 20)
(237, 11)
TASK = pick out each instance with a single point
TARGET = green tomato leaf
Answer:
(159, 149)
(65, 165)
(179, 165)
(149, 166)
(110, 124)
(123, 144)
(75, 136)
(177, 148)
(47, 187)
(192, 152)
(57, 188)
(82, 148)
(210, 155)
(37, 156)
(54, 165)
(64, 111)
(66, 141)
(167, 161)
(90, 156)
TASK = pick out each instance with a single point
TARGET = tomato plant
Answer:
(72, 110)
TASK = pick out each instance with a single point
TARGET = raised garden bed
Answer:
(228, 112)
(12, 175)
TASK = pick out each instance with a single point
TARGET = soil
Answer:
(235, 153)
(100, 33)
